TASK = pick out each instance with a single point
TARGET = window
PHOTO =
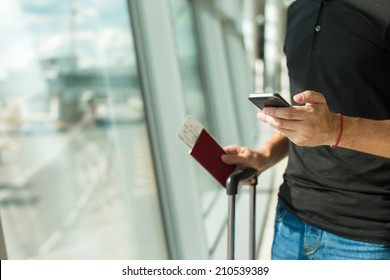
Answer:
(76, 166)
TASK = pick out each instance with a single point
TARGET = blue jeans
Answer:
(295, 240)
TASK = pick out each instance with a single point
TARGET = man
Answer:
(334, 202)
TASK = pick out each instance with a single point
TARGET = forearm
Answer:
(275, 149)
(313, 124)
(368, 136)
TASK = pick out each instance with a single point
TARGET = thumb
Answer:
(309, 97)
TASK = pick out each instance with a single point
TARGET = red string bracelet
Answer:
(341, 131)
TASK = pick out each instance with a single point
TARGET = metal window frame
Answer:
(228, 81)
(215, 70)
(3, 250)
(165, 110)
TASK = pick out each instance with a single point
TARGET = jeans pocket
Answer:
(280, 212)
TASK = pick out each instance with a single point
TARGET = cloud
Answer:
(11, 18)
(106, 47)
(29, 36)
(17, 48)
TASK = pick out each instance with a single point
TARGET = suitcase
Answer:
(232, 183)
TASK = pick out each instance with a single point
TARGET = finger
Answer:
(309, 97)
(290, 134)
(249, 182)
(282, 130)
(233, 159)
(290, 113)
(289, 124)
(232, 149)
(268, 119)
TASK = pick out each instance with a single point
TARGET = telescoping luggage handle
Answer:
(232, 183)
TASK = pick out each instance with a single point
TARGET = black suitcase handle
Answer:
(232, 183)
(238, 176)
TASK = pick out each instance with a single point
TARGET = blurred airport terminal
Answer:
(92, 94)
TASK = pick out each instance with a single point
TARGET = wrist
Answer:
(273, 151)
(338, 131)
(261, 159)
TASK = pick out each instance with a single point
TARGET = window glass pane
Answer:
(76, 168)
(196, 105)
(189, 59)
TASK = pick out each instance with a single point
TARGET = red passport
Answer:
(208, 153)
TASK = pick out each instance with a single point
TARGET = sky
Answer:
(32, 30)
(97, 32)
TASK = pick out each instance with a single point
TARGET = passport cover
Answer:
(208, 153)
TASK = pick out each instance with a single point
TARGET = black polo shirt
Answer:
(341, 48)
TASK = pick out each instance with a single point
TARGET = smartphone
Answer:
(262, 100)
